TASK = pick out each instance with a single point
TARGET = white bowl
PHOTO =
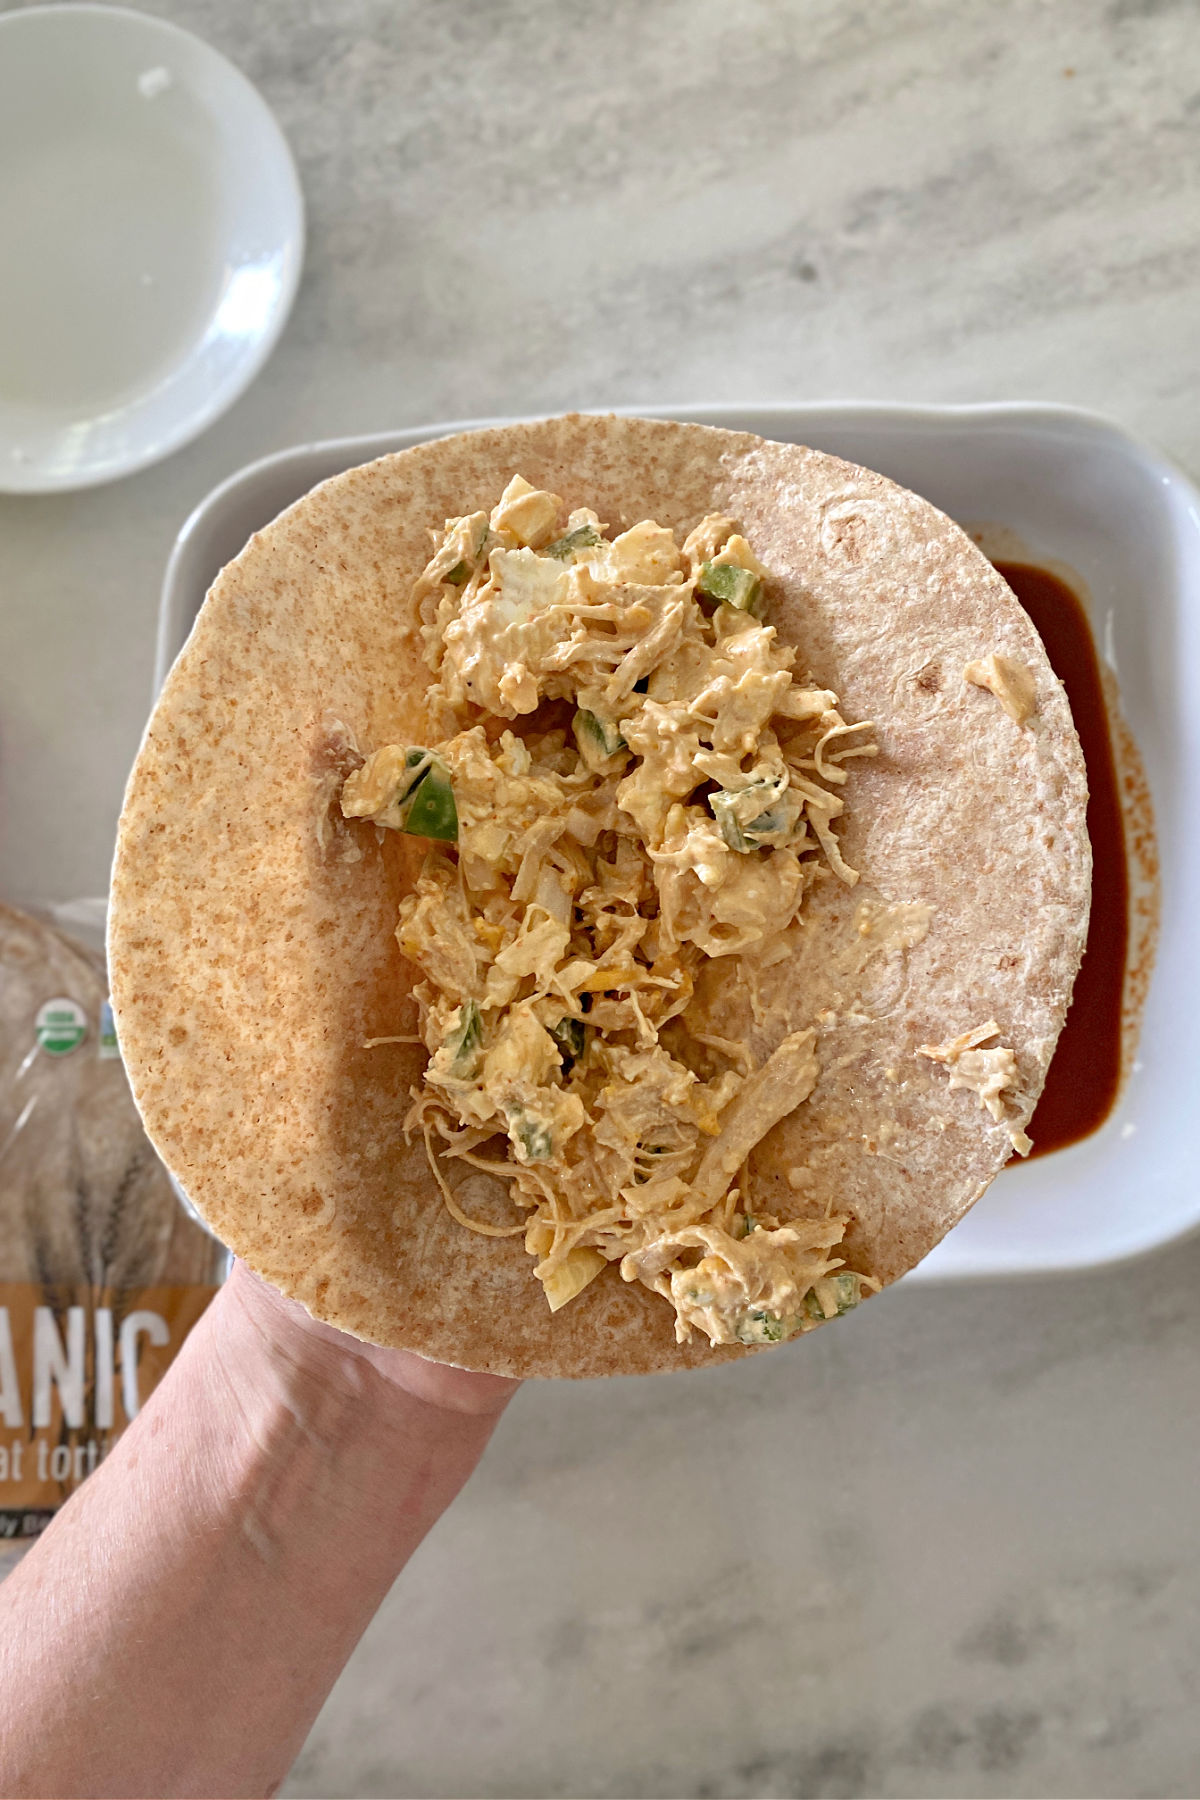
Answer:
(1075, 489)
(151, 235)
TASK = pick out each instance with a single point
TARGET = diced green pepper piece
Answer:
(846, 1292)
(466, 1040)
(598, 739)
(732, 586)
(570, 1036)
(772, 826)
(431, 810)
(463, 570)
(759, 1327)
(846, 1296)
(423, 803)
(582, 538)
(721, 805)
(534, 1138)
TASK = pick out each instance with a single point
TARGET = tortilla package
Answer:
(102, 1273)
(856, 1088)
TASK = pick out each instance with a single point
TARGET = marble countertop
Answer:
(948, 1548)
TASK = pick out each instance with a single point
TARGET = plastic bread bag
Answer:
(102, 1270)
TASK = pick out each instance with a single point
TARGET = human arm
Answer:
(178, 1626)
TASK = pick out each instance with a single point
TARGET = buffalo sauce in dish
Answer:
(1085, 1073)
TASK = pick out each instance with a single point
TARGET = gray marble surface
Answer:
(950, 1546)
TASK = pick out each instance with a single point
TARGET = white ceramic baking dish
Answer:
(1075, 489)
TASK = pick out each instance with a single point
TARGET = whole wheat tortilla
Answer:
(251, 938)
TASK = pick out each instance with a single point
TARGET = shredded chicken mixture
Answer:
(988, 1074)
(632, 782)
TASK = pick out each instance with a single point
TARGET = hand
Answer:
(202, 1590)
(333, 1356)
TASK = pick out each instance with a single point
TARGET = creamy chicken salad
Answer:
(630, 782)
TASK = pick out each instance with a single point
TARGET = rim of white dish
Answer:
(191, 422)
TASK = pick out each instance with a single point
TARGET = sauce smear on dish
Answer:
(1085, 1075)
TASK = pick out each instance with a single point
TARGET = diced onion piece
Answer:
(571, 1276)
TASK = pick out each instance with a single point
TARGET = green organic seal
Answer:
(61, 1027)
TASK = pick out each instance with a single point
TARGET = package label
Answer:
(76, 1366)
(108, 1049)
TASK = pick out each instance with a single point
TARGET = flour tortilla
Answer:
(251, 938)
